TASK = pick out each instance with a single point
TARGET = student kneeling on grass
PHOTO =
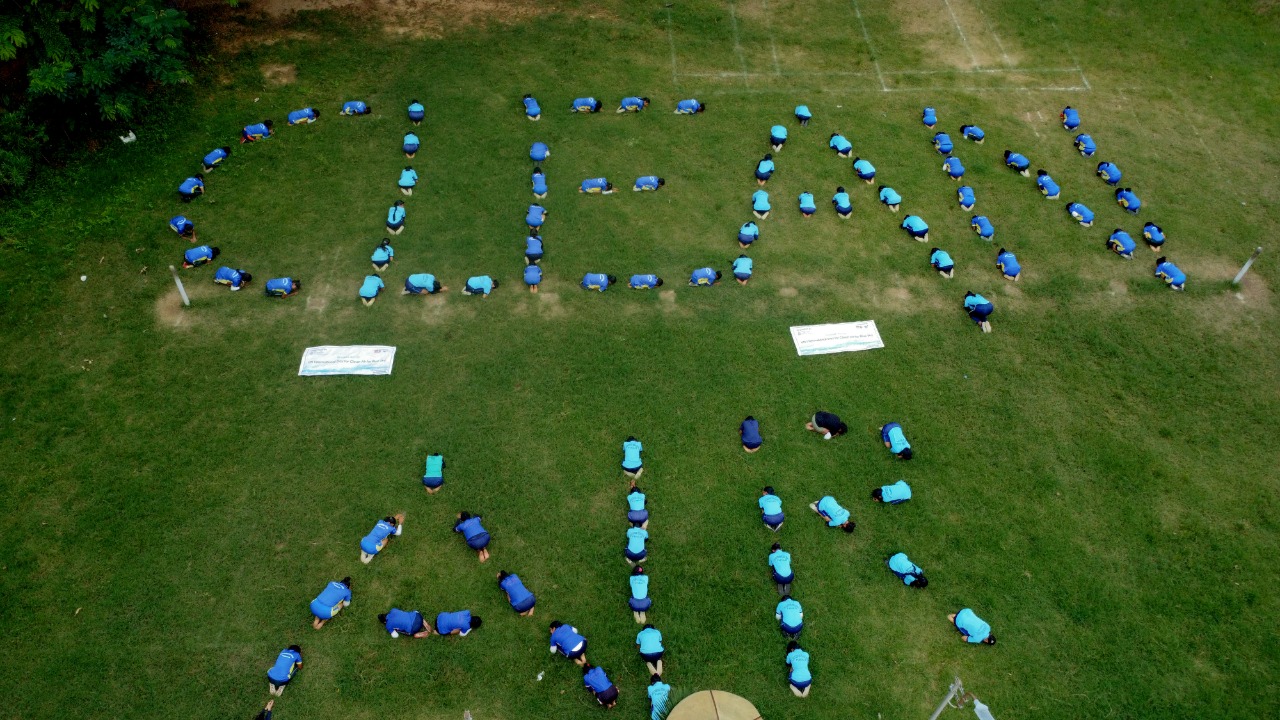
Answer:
(184, 227)
(634, 550)
(1086, 145)
(790, 616)
(281, 287)
(972, 628)
(422, 284)
(539, 180)
(649, 182)
(649, 641)
(215, 157)
(1008, 264)
(417, 112)
(777, 137)
(798, 675)
(518, 596)
(197, 256)
(780, 566)
(890, 198)
(705, 277)
(842, 203)
(1153, 234)
(807, 205)
(474, 533)
(408, 179)
(803, 115)
(765, 169)
(637, 515)
(929, 117)
(894, 494)
(597, 281)
(1109, 172)
(404, 622)
(645, 282)
(355, 107)
(966, 197)
(639, 600)
(1047, 186)
(598, 683)
(381, 534)
(539, 152)
(942, 143)
(532, 277)
(981, 224)
(633, 104)
(750, 432)
(907, 571)
(395, 218)
(771, 509)
(760, 204)
(864, 170)
(335, 596)
(827, 424)
(191, 187)
(896, 440)
(480, 285)
(841, 145)
(953, 168)
(566, 640)
(659, 694)
(279, 674)
(1121, 244)
(1081, 213)
(837, 517)
(1171, 274)
(690, 107)
(256, 131)
(942, 262)
(535, 216)
(304, 116)
(232, 277)
(979, 309)
(632, 465)
(747, 234)
(587, 105)
(1018, 162)
(410, 145)
(383, 255)
(370, 289)
(972, 132)
(433, 474)
(596, 186)
(916, 227)
(460, 622)
(742, 269)
(531, 108)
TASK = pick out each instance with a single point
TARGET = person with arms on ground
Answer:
(639, 600)
(659, 694)
(1010, 269)
(596, 186)
(480, 285)
(894, 494)
(749, 430)
(637, 515)
(215, 158)
(842, 203)
(395, 218)
(633, 104)
(979, 309)
(777, 137)
(410, 145)
(335, 596)
(908, 572)
(953, 168)
(942, 143)
(1109, 172)
(404, 622)
(1018, 162)
(981, 224)
(765, 169)
(433, 473)
(1070, 118)
(864, 170)
(972, 628)
(747, 234)
(531, 108)
(474, 533)
(803, 115)
(597, 281)
(539, 152)
(705, 277)
(521, 600)
(941, 261)
(197, 256)
(596, 681)
(422, 284)
(377, 539)
(566, 640)
(690, 107)
(790, 616)
(648, 182)
(634, 550)
(929, 117)
(305, 116)
(382, 255)
(649, 641)
(417, 113)
(966, 197)
(539, 179)
(587, 105)
(807, 205)
(1048, 188)
(232, 277)
(760, 204)
(1085, 145)
(191, 187)
(841, 145)
(645, 282)
(972, 132)
(532, 277)
(1171, 274)
(771, 509)
(894, 439)
(1153, 234)
(355, 107)
(281, 287)
(535, 216)
(826, 424)
(890, 198)
(835, 515)
(916, 227)
(798, 675)
(279, 674)
(1121, 244)
(1081, 213)
(459, 622)
(632, 464)
(408, 179)
(780, 567)
(256, 131)
(1126, 199)
(370, 289)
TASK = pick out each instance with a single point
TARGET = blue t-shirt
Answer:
(531, 108)
(983, 225)
(515, 589)
(829, 507)
(896, 492)
(566, 639)
(765, 167)
(198, 255)
(842, 202)
(532, 275)
(1009, 262)
(639, 586)
(840, 144)
(435, 463)
(1121, 240)
(470, 528)
(1153, 233)
(631, 450)
(748, 233)
(770, 505)
(635, 501)
(332, 598)
(889, 196)
(929, 116)
(1086, 144)
(354, 107)
(597, 680)
(584, 104)
(703, 276)
(408, 177)
(189, 185)
(1047, 186)
(632, 103)
(942, 142)
(802, 111)
(751, 432)
(382, 253)
(799, 661)
(539, 183)
(975, 627)
(742, 266)
(395, 215)
(792, 615)
(644, 281)
(648, 182)
(965, 196)
(806, 202)
(303, 115)
(635, 539)
(480, 283)
(974, 301)
(447, 622)
(1128, 200)
(1070, 118)
(539, 151)
(1171, 273)
(1018, 161)
(423, 281)
(404, 622)
(1081, 213)
(257, 130)
(279, 286)
(941, 260)
(777, 132)
(760, 201)
(595, 281)
(214, 157)
(594, 185)
(286, 663)
(864, 169)
(902, 566)
(380, 532)
(649, 640)
(371, 286)
(228, 276)
(659, 693)
(411, 142)
(915, 224)
(1109, 172)
(534, 216)
(897, 439)
(687, 107)
(416, 109)
(973, 132)
(954, 167)
(780, 561)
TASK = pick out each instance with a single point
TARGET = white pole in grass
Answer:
(955, 689)
(956, 692)
(1247, 264)
(183, 291)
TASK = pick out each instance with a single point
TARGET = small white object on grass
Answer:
(126, 139)
(84, 278)
(540, 673)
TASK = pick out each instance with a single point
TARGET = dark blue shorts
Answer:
(783, 580)
(845, 212)
(278, 683)
(432, 482)
(792, 630)
(763, 176)
(640, 605)
(381, 265)
(638, 516)
(777, 140)
(417, 116)
(411, 149)
(533, 257)
(479, 542)
(800, 685)
(651, 657)
(526, 605)
(774, 520)
(751, 446)
(575, 654)
(742, 276)
(945, 268)
(633, 470)
(635, 557)
(395, 226)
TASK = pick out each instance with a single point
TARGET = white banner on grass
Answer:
(836, 337)
(347, 360)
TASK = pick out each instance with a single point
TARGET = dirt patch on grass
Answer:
(170, 312)
(549, 305)
(278, 74)
(420, 18)
(953, 34)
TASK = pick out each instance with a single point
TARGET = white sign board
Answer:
(836, 338)
(347, 360)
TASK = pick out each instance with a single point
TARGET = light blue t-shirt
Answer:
(897, 440)
(975, 627)
(1171, 273)
(748, 232)
(354, 107)
(760, 201)
(778, 132)
(889, 196)
(1070, 118)
(687, 107)
(659, 692)
(531, 108)
(1081, 213)
(842, 201)
(902, 566)
(632, 103)
(1152, 232)
(370, 287)
(635, 539)
(829, 507)
(631, 450)
(742, 266)
(380, 532)
(790, 612)
(594, 185)
(435, 462)
(929, 116)
(198, 255)
(408, 178)
(1121, 239)
(214, 157)
(941, 260)
(533, 217)
(806, 202)
(635, 501)
(802, 111)
(395, 215)
(228, 276)
(532, 275)
(974, 301)
(915, 224)
(279, 286)
(703, 276)
(303, 115)
(1086, 144)
(595, 281)
(480, 283)
(649, 640)
(423, 281)
(416, 109)
(257, 130)
(584, 104)
(515, 589)
(1109, 172)
(780, 561)
(840, 144)
(1128, 200)
(539, 183)
(765, 167)
(383, 253)
(1018, 161)
(1010, 263)
(447, 622)
(411, 142)
(799, 661)
(639, 585)
(896, 492)
(770, 505)
(942, 142)
(864, 169)
(973, 132)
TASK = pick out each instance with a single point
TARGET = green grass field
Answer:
(1095, 477)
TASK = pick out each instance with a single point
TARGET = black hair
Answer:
(382, 618)
(749, 417)
(390, 519)
(702, 106)
(1041, 173)
(408, 167)
(878, 495)
(768, 489)
(386, 242)
(655, 678)
(555, 624)
(1161, 259)
(834, 134)
(612, 279)
(268, 123)
(991, 639)
(526, 96)
(298, 283)
(719, 274)
(399, 202)
(503, 575)
(840, 188)
(347, 581)
(921, 582)
(215, 251)
(856, 159)
(768, 156)
(586, 668)
(647, 626)
(245, 277)
(226, 149)
(661, 182)
(880, 188)
(315, 112)
(840, 429)
(933, 250)
(368, 108)
(659, 283)
(776, 546)
(1001, 251)
(787, 596)
(793, 645)
(1007, 153)
(969, 294)
(537, 169)
(645, 100)
(637, 570)
(635, 489)
(742, 255)
(464, 515)
(296, 648)
(608, 186)
(476, 622)
(199, 176)
(630, 438)
(495, 284)
(849, 526)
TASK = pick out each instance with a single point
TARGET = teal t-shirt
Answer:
(790, 612)
(760, 201)
(649, 640)
(372, 284)
(658, 694)
(635, 540)
(806, 202)
(631, 454)
(639, 586)
(770, 505)
(897, 440)
(635, 501)
(889, 196)
(896, 492)
(435, 465)
(799, 661)
(832, 509)
(780, 561)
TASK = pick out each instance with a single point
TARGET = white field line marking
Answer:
(973, 59)
(737, 43)
(671, 39)
(992, 29)
(1072, 54)
(870, 48)
(973, 71)
(731, 74)
(1033, 125)
(773, 46)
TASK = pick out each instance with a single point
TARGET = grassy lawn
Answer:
(1095, 478)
